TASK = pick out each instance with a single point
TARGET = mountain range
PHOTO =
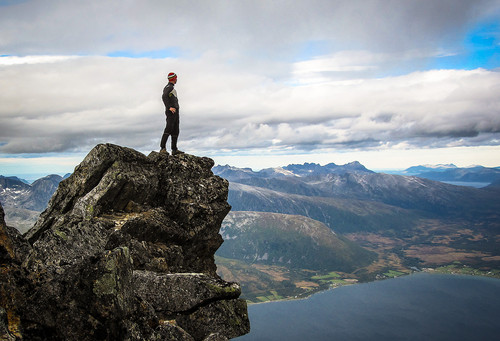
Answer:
(452, 173)
(291, 226)
(407, 220)
(326, 194)
(23, 202)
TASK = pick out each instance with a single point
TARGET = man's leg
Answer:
(174, 142)
(163, 142)
(175, 151)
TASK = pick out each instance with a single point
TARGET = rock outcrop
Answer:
(124, 251)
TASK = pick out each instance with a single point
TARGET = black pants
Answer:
(164, 139)
(171, 129)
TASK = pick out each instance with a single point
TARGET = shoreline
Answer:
(450, 269)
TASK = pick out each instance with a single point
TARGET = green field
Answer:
(328, 276)
(393, 273)
(459, 269)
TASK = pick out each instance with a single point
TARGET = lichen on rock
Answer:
(124, 251)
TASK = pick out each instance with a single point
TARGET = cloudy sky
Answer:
(389, 83)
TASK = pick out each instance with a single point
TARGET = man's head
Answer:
(172, 77)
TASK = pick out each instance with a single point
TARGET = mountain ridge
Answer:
(277, 239)
(408, 192)
(409, 221)
(297, 170)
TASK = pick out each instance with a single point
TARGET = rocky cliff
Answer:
(124, 251)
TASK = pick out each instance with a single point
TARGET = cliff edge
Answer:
(124, 251)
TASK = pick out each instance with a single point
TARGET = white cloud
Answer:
(15, 60)
(76, 102)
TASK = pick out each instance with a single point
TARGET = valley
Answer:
(433, 247)
(263, 283)
(409, 223)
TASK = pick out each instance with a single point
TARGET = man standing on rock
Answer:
(171, 102)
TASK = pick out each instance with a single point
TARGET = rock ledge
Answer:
(124, 251)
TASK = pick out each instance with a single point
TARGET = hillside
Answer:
(290, 240)
(277, 255)
(341, 215)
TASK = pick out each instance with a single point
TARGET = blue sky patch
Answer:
(11, 2)
(480, 49)
(158, 54)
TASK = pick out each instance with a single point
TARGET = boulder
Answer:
(124, 251)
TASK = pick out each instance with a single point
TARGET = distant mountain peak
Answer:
(292, 170)
(441, 165)
(414, 170)
(314, 168)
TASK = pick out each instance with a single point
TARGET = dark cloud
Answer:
(383, 118)
(258, 28)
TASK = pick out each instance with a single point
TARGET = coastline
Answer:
(456, 269)
(423, 306)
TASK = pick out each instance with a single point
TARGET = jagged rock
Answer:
(221, 315)
(124, 251)
(166, 293)
(13, 249)
(216, 337)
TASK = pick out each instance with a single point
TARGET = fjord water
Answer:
(417, 307)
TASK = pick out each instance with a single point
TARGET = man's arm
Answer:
(166, 95)
(174, 102)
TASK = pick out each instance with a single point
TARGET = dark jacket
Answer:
(170, 100)
(169, 97)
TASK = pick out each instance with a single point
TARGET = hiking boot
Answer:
(177, 152)
(163, 151)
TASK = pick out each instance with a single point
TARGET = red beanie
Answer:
(172, 76)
